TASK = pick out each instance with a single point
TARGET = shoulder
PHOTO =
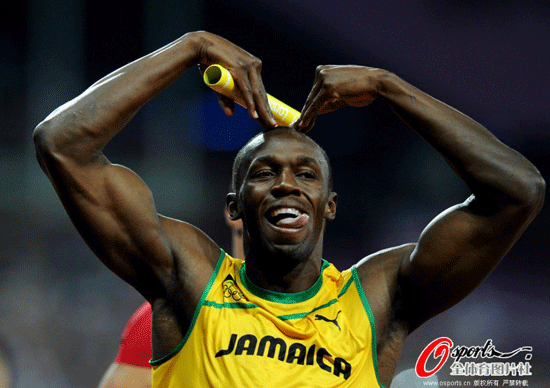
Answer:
(191, 256)
(189, 242)
(195, 258)
(385, 262)
(379, 277)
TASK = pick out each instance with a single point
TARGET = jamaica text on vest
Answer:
(248, 344)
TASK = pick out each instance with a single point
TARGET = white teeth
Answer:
(286, 210)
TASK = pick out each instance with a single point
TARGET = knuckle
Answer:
(329, 88)
(321, 68)
(257, 63)
(323, 75)
(251, 64)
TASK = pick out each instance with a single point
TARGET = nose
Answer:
(285, 185)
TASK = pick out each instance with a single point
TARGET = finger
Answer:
(315, 101)
(255, 98)
(261, 102)
(244, 86)
(331, 105)
(202, 68)
(309, 127)
(320, 106)
(227, 104)
(303, 119)
(245, 91)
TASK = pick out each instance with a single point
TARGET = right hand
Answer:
(338, 86)
(245, 70)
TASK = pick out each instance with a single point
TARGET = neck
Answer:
(282, 275)
(237, 245)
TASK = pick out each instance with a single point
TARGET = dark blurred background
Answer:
(62, 312)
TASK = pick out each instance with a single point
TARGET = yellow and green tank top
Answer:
(244, 336)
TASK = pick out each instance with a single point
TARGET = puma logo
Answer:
(321, 318)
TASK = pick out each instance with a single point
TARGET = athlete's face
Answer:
(284, 199)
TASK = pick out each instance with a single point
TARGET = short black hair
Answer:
(245, 155)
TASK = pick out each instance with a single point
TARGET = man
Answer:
(284, 317)
(131, 368)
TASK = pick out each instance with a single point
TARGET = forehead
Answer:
(285, 145)
(280, 145)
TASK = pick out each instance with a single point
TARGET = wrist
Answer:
(196, 43)
(387, 84)
(395, 91)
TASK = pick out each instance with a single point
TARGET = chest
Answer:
(242, 337)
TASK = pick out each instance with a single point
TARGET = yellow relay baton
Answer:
(219, 78)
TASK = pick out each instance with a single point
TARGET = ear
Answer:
(232, 207)
(330, 208)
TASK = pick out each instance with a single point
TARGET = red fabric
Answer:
(135, 344)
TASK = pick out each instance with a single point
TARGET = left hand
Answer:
(338, 86)
(245, 69)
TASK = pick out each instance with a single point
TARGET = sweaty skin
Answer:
(125, 375)
(170, 261)
(286, 172)
(409, 284)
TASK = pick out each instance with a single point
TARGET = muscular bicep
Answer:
(455, 253)
(113, 210)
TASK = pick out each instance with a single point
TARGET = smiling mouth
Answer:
(288, 218)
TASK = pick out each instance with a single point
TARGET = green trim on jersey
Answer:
(195, 315)
(281, 297)
(355, 277)
(230, 305)
(228, 341)
(329, 303)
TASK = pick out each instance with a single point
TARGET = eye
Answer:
(262, 174)
(309, 175)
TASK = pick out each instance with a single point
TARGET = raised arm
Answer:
(460, 247)
(111, 206)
